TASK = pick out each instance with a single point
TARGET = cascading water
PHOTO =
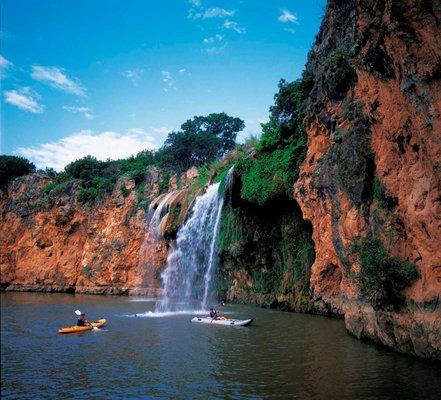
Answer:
(154, 216)
(192, 260)
(152, 239)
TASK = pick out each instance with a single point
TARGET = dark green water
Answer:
(283, 356)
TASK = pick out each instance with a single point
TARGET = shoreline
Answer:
(71, 289)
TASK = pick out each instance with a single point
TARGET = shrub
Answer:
(56, 189)
(102, 184)
(87, 194)
(86, 169)
(12, 167)
(381, 276)
(49, 187)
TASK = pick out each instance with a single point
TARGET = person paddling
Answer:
(213, 314)
(81, 321)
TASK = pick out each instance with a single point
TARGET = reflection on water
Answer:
(282, 355)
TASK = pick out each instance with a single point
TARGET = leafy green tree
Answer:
(12, 167)
(200, 140)
(86, 169)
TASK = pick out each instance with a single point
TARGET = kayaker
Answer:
(213, 313)
(82, 321)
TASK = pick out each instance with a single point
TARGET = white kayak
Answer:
(223, 321)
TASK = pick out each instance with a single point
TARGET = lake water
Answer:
(281, 356)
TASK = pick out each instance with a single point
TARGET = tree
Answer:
(200, 140)
(86, 169)
(12, 167)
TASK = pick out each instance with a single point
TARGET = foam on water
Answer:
(162, 314)
(143, 300)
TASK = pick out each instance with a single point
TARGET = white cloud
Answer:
(213, 39)
(56, 78)
(25, 99)
(288, 16)
(234, 26)
(4, 65)
(209, 13)
(195, 3)
(218, 13)
(86, 111)
(102, 145)
(134, 75)
(183, 72)
(168, 80)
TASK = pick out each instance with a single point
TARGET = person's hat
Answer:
(78, 312)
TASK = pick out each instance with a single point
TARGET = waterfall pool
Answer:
(281, 356)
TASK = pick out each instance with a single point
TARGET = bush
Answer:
(49, 187)
(86, 169)
(87, 194)
(56, 189)
(102, 184)
(12, 167)
(381, 276)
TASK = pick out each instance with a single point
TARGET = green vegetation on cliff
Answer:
(381, 277)
(272, 246)
(274, 168)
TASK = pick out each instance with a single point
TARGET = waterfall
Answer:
(192, 260)
(154, 216)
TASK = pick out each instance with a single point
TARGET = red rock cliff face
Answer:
(58, 244)
(385, 126)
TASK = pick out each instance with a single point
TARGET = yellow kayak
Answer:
(75, 328)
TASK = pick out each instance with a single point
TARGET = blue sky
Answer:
(109, 78)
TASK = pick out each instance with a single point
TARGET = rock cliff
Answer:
(372, 165)
(53, 242)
